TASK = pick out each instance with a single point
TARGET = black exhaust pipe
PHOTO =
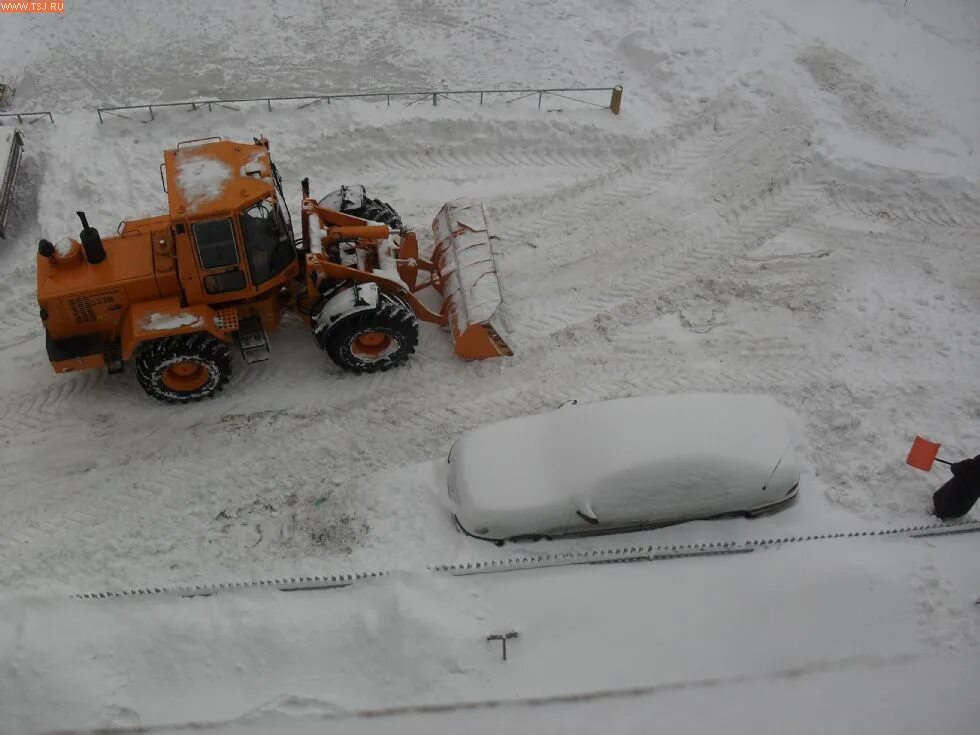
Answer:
(91, 242)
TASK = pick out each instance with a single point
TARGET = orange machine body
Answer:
(87, 308)
(226, 253)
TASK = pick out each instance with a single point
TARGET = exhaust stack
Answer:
(91, 242)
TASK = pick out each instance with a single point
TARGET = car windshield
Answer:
(267, 240)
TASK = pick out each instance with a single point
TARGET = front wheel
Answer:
(184, 368)
(373, 340)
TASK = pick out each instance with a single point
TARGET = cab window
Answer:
(216, 243)
(268, 242)
(233, 280)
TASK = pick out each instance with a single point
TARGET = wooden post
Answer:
(616, 99)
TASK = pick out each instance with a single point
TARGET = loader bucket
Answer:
(465, 274)
(11, 150)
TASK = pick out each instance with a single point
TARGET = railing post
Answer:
(616, 99)
(540, 95)
(435, 98)
(51, 118)
(151, 112)
(388, 98)
(100, 117)
(269, 101)
(481, 97)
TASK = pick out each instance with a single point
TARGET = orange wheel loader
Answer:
(169, 295)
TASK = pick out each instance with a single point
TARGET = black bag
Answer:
(957, 497)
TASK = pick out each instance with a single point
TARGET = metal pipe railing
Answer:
(421, 95)
(21, 115)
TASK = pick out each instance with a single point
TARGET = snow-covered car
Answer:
(623, 465)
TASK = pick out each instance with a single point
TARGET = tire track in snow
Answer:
(413, 427)
(30, 415)
(25, 416)
(509, 399)
(936, 214)
(688, 143)
(19, 319)
(757, 221)
(403, 435)
(520, 154)
(595, 200)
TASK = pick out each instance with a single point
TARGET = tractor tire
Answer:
(184, 368)
(373, 340)
(377, 211)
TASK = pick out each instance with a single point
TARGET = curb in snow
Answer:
(623, 554)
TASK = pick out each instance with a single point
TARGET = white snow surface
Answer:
(157, 322)
(713, 626)
(629, 461)
(787, 205)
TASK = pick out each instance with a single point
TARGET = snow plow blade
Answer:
(465, 274)
(11, 151)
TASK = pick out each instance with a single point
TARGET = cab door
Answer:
(214, 245)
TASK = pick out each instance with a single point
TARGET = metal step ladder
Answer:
(113, 357)
(253, 341)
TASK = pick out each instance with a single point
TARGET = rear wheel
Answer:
(379, 211)
(376, 211)
(184, 368)
(373, 340)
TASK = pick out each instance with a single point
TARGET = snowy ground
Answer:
(856, 605)
(788, 204)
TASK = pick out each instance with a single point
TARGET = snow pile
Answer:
(160, 322)
(257, 165)
(422, 639)
(201, 178)
(64, 246)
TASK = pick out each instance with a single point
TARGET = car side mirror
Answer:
(588, 516)
(572, 402)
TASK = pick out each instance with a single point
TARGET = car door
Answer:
(658, 493)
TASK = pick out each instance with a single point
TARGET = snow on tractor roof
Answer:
(216, 177)
(201, 179)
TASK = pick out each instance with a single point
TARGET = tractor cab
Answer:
(233, 233)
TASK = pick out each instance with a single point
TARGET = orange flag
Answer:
(922, 454)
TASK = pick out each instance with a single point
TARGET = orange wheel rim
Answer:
(371, 345)
(186, 375)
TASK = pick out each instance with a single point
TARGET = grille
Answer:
(82, 309)
(227, 320)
